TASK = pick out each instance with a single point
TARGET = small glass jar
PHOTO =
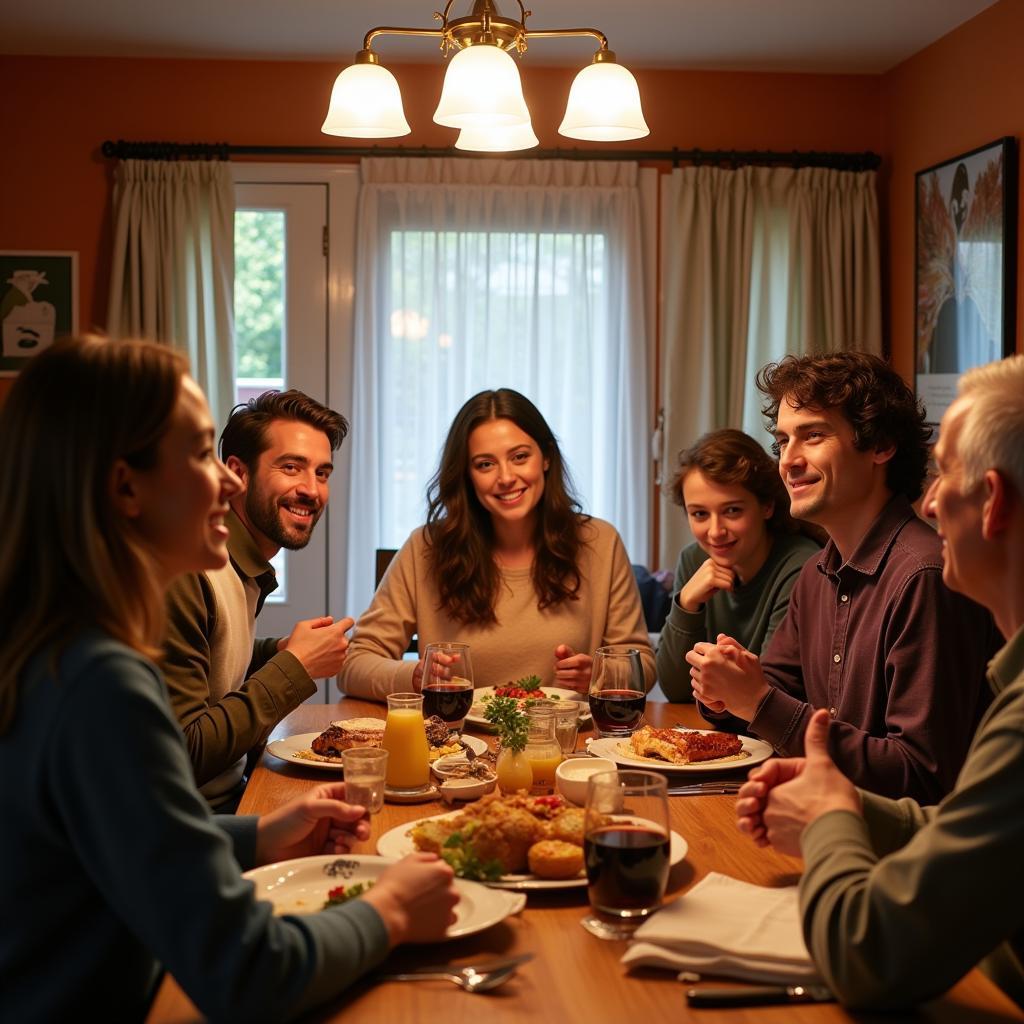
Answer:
(542, 749)
(567, 723)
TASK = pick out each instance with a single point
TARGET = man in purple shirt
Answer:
(872, 633)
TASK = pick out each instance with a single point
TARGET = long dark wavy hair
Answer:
(873, 397)
(459, 531)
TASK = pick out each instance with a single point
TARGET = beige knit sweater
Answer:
(522, 643)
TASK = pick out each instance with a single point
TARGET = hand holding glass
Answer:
(626, 848)
(618, 692)
(365, 770)
(447, 682)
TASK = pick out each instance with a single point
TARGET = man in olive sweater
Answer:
(899, 901)
(227, 688)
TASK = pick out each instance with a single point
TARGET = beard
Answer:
(265, 513)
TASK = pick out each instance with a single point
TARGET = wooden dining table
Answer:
(573, 977)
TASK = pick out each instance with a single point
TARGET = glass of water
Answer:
(365, 768)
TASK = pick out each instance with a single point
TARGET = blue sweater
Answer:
(113, 867)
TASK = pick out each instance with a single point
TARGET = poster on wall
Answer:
(965, 273)
(38, 303)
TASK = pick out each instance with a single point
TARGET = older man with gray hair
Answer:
(899, 901)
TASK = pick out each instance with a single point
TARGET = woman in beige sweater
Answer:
(506, 563)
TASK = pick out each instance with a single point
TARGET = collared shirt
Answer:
(248, 561)
(896, 657)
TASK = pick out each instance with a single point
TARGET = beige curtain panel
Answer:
(172, 274)
(756, 263)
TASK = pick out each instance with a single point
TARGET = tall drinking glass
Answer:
(365, 774)
(626, 847)
(447, 682)
(618, 691)
(405, 740)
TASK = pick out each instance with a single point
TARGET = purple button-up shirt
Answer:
(895, 655)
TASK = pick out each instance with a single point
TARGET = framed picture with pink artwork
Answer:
(38, 303)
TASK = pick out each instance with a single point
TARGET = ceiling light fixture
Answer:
(482, 94)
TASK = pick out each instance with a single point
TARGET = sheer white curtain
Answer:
(172, 274)
(756, 263)
(474, 274)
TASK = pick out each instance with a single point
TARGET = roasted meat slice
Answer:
(684, 747)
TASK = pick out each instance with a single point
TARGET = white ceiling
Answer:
(857, 36)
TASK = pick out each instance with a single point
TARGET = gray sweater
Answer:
(113, 866)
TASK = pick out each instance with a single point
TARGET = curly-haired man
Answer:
(872, 633)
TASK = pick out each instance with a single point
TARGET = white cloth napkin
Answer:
(727, 927)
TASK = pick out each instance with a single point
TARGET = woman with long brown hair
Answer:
(747, 552)
(113, 866)
(506, 562)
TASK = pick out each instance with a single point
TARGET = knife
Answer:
(758, 995)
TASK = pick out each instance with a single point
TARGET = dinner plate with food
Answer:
(308, 885)
(523, 690)
(518, 842)
(323, 749)
(682, 750)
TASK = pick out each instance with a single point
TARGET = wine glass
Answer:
(365, 771)
(447, 682)
(618, 692)
(626, 848)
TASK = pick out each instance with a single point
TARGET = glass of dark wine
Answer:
(447, 682)
(626, 849)
(617, 690)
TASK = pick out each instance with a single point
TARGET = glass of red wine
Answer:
(618, 692)
(447, 682)
(626, 849)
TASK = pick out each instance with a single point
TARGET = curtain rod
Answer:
(868, 161)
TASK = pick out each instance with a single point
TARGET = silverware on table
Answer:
(470, 978)
(705, 789)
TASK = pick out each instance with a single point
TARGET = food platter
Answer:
(298, 750)
(301, 886)
(476, 712)
(398, 843)
(754, 752)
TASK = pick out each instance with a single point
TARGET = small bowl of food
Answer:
(460, 778)
(572, 774)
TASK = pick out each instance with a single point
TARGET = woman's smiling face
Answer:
(506, 469)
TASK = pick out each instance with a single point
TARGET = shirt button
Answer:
(837, 658)
(845, 598)
(832, 712)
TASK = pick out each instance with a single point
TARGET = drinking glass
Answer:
(567, 723)
(618, 692)
(405, 740)
(365, 772)
(626, 848)
(447, 682)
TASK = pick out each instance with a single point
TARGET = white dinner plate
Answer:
(756, 751)
(301, 886)
(292, 748)
(476, 712)
(398, 843)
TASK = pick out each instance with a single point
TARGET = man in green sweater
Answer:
(898, 900)
(228, 688)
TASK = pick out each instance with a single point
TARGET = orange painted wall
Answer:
(55, 186)
(963, 91)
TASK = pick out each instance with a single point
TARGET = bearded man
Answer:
(228, 688)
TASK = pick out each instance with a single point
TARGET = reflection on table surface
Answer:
(573, 976)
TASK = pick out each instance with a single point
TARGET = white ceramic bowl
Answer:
(456, 788)
(572, 774)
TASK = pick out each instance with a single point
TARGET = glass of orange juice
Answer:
(405, 740)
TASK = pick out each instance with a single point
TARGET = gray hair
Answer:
(992, 434)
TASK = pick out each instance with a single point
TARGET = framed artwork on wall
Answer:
(965, 253)
(38, 303)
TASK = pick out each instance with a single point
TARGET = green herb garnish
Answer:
(459, 852)
(530, 683)
(511, 724)
(345, 893)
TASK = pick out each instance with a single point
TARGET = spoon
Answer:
(469, 979)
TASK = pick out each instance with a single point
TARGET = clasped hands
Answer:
(727, 677)
(783, 796)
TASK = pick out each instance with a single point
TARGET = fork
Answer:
(705, 789)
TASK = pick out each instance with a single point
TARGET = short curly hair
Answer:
(874, 398)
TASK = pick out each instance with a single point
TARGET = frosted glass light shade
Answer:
(481, 88)
(604, 105)
(366, 104)
(497, 139)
